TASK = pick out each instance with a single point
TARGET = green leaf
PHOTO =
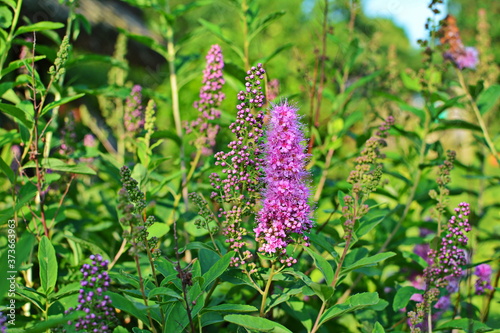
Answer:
(403, 296)
(60, 102)
(353, 303)
(264, 23)
(163, 291)
(148, 41)
(120, 329)
(10, 3)
(436, 111)
(133, 308)
(217, 270)
(323, 291)
(256, 323)
(367, 226)
(48, 265)
(326, 243)
(465, 324)
(364, 80)
(411, 83)
(273, 54)
(416, 258)
(322, 264)
(8, 171)
(54, 321)
(31, 295)
(488, 98)
(456, 123)
(367, 262)
(5, 17)
(93, 248)
(39, 26)
(59, 165)
(378, 328)
(232, 308)
(17, 113)
(13, 65)
(216, 30)
(158, 229)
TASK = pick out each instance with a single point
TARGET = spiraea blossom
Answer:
(134, 111)
(483, 282)
(285, 213)
(462, 57)
(239, 184)
(211, 96)
(451, 255)
(100, 315)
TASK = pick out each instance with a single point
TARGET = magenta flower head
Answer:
(211, 96)
(285, 212)
(134, 112)
(483, 273)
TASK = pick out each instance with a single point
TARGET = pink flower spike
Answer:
(285, 210)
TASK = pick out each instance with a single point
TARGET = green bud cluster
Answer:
(57, 70)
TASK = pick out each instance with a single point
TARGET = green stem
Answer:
(246, 42)
(477, 113)
(266, 292)
(175, 102)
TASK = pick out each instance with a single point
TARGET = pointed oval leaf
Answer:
(256, 323)
(60, 102)
(353, 303)
(48, 265)
(217, 270)
(39, 26)
(322, 264)
(488, 98)
(403, 296)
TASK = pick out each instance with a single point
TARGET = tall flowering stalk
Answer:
(211, 96)
(240, 183)
(285, 213)
(451, 255)
(134, 111)
(364, 178)
(446, 268)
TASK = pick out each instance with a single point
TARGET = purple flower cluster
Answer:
(449, 258)
(462, 57)
(3, 325)
(467, 57)
(134, 111)
(285, 209)
(241, 167)
(211, 96)
(100, 315)
(483, 273)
